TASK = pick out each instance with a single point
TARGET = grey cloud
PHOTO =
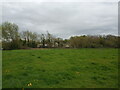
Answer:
(63, 19)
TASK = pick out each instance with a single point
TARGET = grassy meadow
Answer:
(60, 68)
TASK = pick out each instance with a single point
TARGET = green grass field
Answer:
(60, 68)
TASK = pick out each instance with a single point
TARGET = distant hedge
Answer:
(13, 39)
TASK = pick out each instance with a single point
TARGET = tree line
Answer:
(13, 39)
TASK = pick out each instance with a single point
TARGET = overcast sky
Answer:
(64, 19)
